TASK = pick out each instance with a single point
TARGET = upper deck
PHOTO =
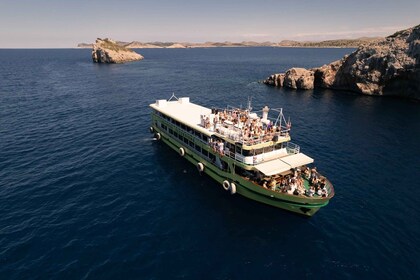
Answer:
(234, 125)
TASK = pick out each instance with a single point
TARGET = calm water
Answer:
(86, 193)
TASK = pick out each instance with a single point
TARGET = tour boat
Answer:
(245, 152)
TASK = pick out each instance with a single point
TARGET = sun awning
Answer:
(283, 164)
(297, 160)
(273, 167)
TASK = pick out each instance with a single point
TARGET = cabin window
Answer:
(198, 148)
(247, 153)
(268, 149)
(212, 157)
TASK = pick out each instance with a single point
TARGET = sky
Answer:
(64, 24)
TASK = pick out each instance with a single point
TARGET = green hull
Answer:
(303, 205)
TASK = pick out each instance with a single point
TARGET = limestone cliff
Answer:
(390, 66)
(108, 51)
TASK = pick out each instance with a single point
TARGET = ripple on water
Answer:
(86, 193)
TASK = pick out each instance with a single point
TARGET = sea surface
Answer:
(85, 192)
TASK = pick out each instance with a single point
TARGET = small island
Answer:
(108, 51)
(390, 66)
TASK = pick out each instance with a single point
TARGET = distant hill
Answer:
(339, 43)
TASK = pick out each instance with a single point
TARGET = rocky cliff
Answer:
(108, 51)
(390, 66)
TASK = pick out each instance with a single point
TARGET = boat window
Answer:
(258, 151)
(198, 148)
(268, 149)
(212, 157)
(246, 153)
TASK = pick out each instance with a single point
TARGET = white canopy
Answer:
(273, 167)
(283, 164)
(297, 160)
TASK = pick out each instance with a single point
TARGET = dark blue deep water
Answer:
(86, 194)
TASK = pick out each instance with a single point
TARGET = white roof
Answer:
(297, 160)
(283, 164)
(183, 111)
(273, 167)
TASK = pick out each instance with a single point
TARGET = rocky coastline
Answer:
(339, 43)
(108, 51)
(387, 67)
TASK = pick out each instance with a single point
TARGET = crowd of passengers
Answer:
(293, 183)
(250, 127)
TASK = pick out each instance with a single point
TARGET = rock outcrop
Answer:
(108, 51)
(384, 67)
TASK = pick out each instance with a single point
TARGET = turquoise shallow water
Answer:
(86, 193)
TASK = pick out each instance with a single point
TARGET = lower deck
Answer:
(276, 196)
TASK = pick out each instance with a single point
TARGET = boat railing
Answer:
(236, 135)
(292, 148)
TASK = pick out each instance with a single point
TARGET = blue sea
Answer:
(85, 192)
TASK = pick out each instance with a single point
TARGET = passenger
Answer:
(324, 192)
(314, 173)
(265, 185)
(292, 186)
(307, 173)
(311, 191)
(221, 148)
(273, 184)
(319, 192)
(283, 182)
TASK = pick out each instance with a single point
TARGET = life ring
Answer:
(181, 152)
(157, 136)
(232, 188)
(200, 167)
(226, 185)
(151, 129)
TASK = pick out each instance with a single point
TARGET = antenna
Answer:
(249, 103)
